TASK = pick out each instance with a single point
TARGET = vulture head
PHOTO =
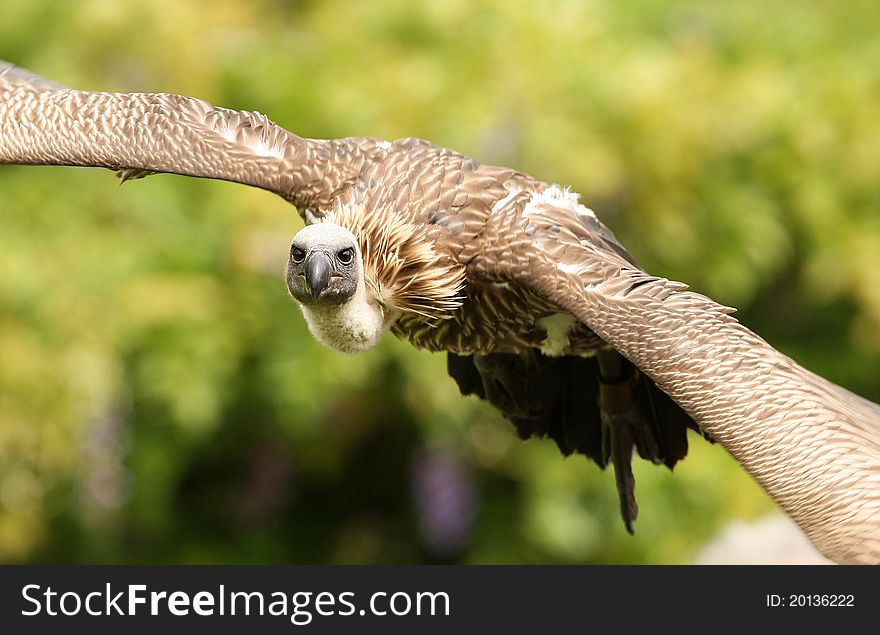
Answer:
(325, 274)
(355, 274)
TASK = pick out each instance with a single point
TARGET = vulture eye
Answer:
(346, 255)
(298, 255)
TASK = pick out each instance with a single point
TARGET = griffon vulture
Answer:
(540, 309)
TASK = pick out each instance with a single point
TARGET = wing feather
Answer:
(137, 134)
(785, 425)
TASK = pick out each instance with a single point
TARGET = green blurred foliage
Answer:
(160, 397)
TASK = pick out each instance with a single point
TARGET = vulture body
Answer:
(540, 309)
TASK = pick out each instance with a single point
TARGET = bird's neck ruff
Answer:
(401, 265)
(353, 327)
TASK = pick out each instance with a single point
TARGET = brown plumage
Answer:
(401, 267)
(542, 312)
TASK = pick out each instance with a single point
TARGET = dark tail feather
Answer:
(602, 415)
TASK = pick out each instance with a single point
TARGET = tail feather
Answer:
(568, 400)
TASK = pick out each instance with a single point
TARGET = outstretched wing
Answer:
(653, 322)
(812, 445)
(44, 123)
(657, 324)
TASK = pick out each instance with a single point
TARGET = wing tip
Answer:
(17, 76)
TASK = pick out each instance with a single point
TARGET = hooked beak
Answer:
(318, 268)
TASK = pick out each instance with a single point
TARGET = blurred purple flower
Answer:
(445, 497)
